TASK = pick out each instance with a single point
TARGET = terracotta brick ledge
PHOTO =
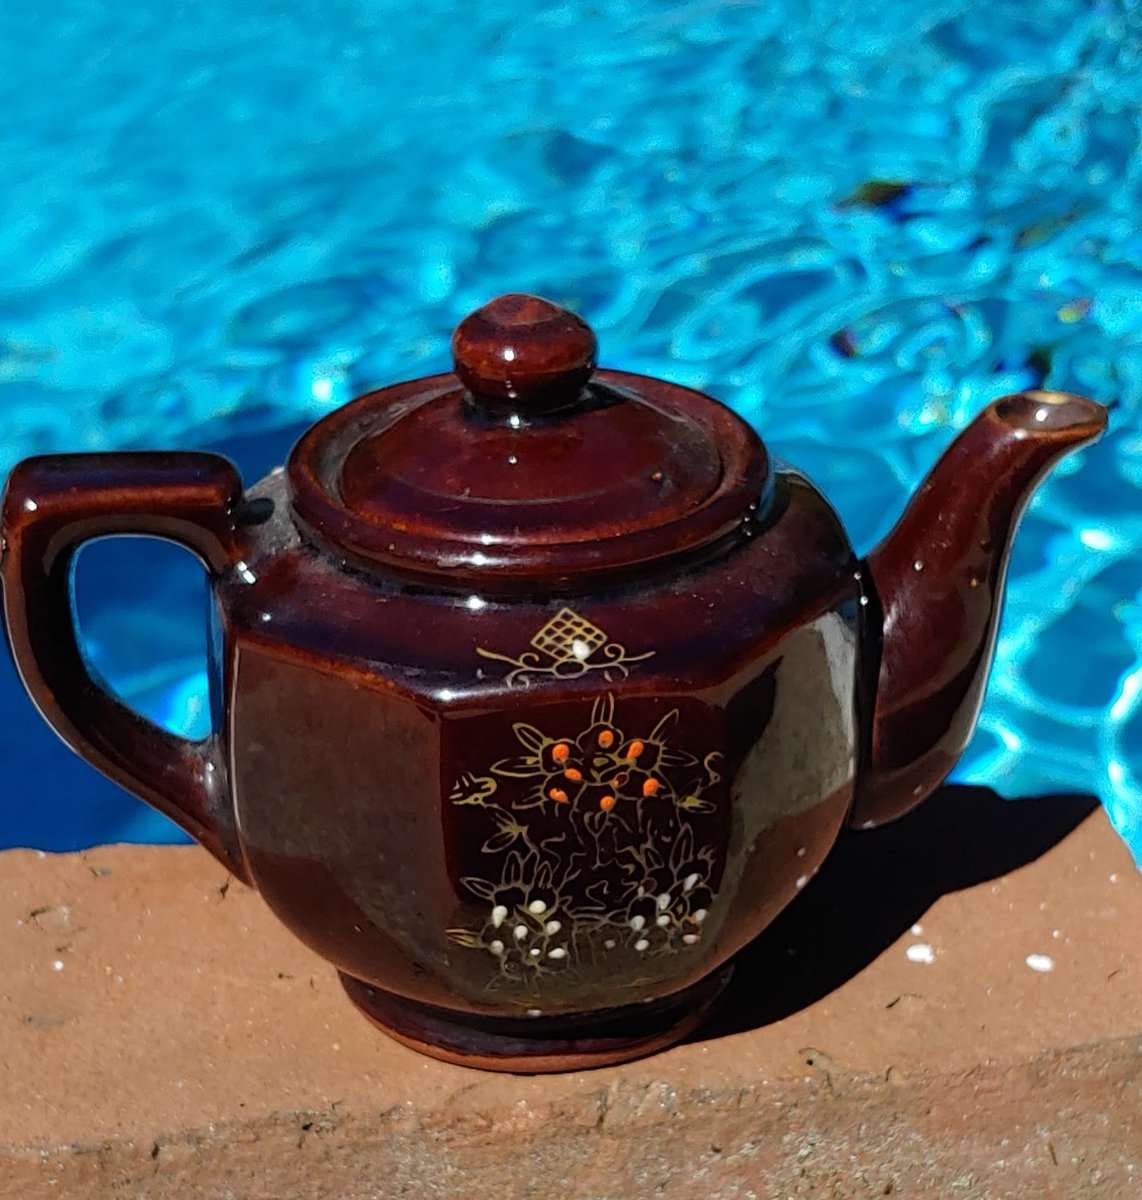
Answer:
(162, 1036)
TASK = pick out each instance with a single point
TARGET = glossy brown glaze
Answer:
(522, 354)
(543, 697)
(536, 1047)
(52, 506)
(937, 590)
(465, 771)
(638, 475)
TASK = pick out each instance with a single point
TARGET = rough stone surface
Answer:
(162, 1036)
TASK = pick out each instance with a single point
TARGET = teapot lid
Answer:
(527, 467)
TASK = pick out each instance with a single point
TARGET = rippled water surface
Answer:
(855, 223)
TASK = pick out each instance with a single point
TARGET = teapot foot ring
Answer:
(535, 1046)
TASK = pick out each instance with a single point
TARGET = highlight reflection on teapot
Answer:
(540, 689)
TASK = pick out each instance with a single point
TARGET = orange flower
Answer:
(559, 795)
(606, 739)
(607, 802)
(561, 752)
(635, 749)
(574, 774)
(650, 787)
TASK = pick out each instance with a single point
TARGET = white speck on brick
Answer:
(917, 930)
(57, 965)
(921, 953)
(801, 852)
(534, 1012)
(802, 880)
(1040, 962)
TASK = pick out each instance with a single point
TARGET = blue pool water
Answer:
(219, 221)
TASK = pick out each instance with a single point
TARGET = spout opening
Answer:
(1043, 412)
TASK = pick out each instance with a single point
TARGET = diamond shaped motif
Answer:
(569, 636)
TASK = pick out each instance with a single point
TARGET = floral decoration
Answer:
(595, 848)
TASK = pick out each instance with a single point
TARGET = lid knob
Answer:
(524, 350)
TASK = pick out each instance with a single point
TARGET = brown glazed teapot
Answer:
(540, 690)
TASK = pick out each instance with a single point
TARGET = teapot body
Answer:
(541, 807)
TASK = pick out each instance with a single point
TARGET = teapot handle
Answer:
(52, 506)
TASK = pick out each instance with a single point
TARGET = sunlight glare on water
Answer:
(857, 224)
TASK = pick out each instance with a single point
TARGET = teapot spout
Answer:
(935, 591)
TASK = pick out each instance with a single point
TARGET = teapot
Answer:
(539, 689)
